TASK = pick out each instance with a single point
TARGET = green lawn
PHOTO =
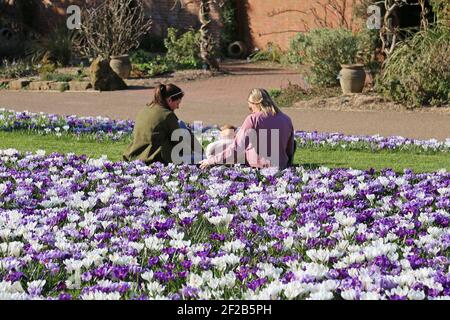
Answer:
(308, 157)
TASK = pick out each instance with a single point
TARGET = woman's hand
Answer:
(204, 164)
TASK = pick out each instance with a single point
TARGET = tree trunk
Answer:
(207, 46)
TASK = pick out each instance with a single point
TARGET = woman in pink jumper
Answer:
(265, 139)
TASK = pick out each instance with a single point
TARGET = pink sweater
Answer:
(256, 142)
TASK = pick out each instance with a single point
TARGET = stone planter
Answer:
(39, 85)
(18, 84)
(121, 65)
(79, 85)
(352, 78)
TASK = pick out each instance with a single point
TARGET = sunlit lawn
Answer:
(308, 157)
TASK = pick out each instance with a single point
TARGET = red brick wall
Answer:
(278, 21)
(260, 21)
(181, 14)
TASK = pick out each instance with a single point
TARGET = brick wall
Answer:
(278, 21)
(260, 21)
(181, 14)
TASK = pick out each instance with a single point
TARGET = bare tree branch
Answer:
(113, 28)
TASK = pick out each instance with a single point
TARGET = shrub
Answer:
(141, 56)
(297, 48)
(417, 73)
(273, 53)
(328, 49)
(153, 67)
(56, 47)
(368, 43)
(16, 69)
(47, 68)
(114, 27)
(275, 93)
(325, 50)
(147, 64)
(183, 52)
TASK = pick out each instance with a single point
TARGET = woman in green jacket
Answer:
(154, 126)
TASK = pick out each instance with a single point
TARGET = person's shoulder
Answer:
(255, 116)
(164, 112)
(285, 117)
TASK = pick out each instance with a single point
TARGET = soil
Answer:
(174, 77)
(364, 102)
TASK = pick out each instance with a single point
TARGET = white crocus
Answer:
(195, 280)
(349, 294)
(98, 295)
(321, 295)
(416, 295)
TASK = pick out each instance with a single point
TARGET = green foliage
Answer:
(273, 53)
(368, 43)
(16, 69)
(154, 67)
(58, 47)
(183, 52)
(417, 73)
(65, 86)
(229, 31)
(141, 56)
(61, 77)
(56, 77)
(148, 64)
(275, 93)
(47, 68)
(441, 8)
(325, 50)
(297, 48)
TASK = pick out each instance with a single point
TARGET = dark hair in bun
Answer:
(163, 92)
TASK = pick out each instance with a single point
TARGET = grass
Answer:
(308, 157)
(24, 141)
(397, 160)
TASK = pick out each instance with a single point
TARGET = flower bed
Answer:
(376, 142)
(77, 228)
(102, 128)
(98, 128)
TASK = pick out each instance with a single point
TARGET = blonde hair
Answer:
(228, 127)
(261, 98)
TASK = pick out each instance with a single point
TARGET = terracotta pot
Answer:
(121, 65)
(237, 50)
(352, 78)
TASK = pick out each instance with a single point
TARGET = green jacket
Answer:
(152, 135)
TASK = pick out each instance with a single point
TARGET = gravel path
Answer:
(222, 99)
